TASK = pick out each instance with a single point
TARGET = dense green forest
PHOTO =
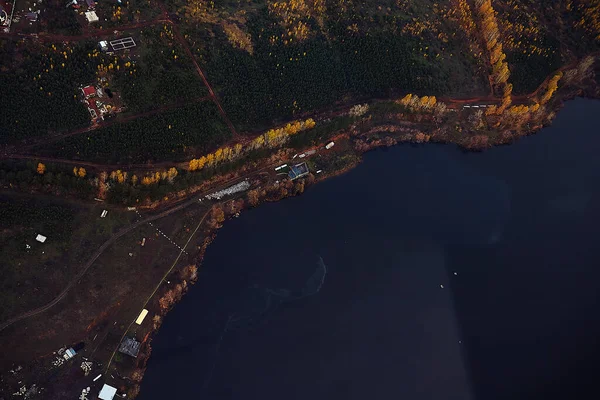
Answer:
(529, 71)
(119, 12)
(279, 78)
(161, 73)
(40, 93)
(56, 18)
(56, 178)
(196, 128)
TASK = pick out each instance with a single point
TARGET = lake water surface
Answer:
(425, 273)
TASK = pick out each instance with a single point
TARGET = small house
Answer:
(88, 91)
(91, 16)
(103, 45)
(130, 346)
(69, 353)
(40, 238)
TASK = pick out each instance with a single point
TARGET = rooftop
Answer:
(130, 346)
(89, 91)
(298, 171)
(91, 16)
(107, 393)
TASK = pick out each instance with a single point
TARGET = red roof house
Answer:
(89, 91)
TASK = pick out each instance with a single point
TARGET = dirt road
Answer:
(116, 236)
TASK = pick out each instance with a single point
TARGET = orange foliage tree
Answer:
(552, 86)
(491, 37)
(41, 168)
(270, 139)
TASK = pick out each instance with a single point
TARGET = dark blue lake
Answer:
(425, 273)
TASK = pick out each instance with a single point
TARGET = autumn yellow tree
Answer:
(79, 172)
(41, 168)
(491, 36)
(552, 87)
(405, 101)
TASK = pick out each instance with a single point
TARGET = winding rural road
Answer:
(113, 239)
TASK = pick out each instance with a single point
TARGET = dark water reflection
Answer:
(425, 273)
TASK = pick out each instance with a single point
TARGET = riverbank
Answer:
(361, 144)
(410, 214)
(387, 127)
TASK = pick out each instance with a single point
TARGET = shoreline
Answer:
(592, 93)
(351, 144)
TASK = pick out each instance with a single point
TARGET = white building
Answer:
(91, 16)
(69, 353)
(107, 393)
(103, 45)
(40, 238)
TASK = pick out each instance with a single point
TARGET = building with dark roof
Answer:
(130, 346)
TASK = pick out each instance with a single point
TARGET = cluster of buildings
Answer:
(98, 102)
(85, 8)
(89, 5)
(6, 13)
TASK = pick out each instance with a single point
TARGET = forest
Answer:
(160, 74)
(196, 128)
(125, 12)
(51, 178)
(58, 19)
(40, 91)
(532, 49)
(303, 57)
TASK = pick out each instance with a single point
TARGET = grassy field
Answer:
(112, 293)
(32, 273)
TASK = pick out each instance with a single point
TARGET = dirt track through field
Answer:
(112, 240)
